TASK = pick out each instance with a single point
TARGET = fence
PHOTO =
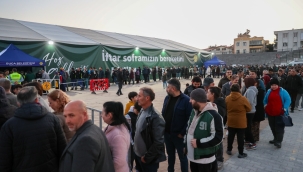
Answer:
(97, 118)
(47, 84)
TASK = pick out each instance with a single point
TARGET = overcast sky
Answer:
(193, 22)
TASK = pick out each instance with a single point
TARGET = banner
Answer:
(70, 56)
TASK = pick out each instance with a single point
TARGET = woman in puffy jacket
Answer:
(118, 135)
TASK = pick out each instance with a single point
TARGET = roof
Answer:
(16, 30)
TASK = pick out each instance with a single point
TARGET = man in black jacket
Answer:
(225, 79)
(292, 84)
(32, 140)
(149, 136)
(176, 111)
(72, 76)
(120, 81)
(196, 82)
(88, 150)
(79, 76)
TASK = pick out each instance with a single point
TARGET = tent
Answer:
(14, 57)
(214, 61)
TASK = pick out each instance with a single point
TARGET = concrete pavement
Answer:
(265, 158)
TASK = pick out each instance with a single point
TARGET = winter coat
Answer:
(6, 112)
(32, 140)
(260, 113)
(67, 133)
(181, 113)
(87, 151)
(251, 95)
(152, 133)
(119, 141)
(237, 106)
(223, 81)
(221, 105)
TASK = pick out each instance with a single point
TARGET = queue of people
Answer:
(63, 138)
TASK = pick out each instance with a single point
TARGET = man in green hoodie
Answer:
(204, 133)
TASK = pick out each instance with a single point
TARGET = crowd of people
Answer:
(36, 135)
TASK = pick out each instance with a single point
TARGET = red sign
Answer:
(98, 84)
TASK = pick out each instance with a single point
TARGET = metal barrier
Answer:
(47, 84)
(93, 115)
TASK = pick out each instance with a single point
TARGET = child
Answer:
(132, 100)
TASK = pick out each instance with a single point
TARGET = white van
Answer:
(295, 63)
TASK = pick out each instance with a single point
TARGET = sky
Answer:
(197, 23)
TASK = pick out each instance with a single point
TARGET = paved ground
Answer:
(265, 158)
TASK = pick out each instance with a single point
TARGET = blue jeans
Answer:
(164, 84)
(147, 167)
(86, 83)
(172, 143)
(80, 83)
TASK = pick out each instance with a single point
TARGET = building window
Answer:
(244, 51)
(285, 44)
(295, 34)
(238, 51)
(255, 42)
(244, 43)
(238, 43)
(223, 49)
(285, 35)
(218, 49)
(295, 44)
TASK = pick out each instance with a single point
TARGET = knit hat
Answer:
(198, 95)
(207, 81)
(274, 81)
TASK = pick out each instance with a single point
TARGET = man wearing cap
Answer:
(208, 82)
(204, 133)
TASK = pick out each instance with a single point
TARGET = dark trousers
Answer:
(147, 167)
(211, 167)
(240, 138)
(133, 158)
(219, 154)
(172, 144)
(74, 84)
(119, 87)
(293, 96)
(145, 77)
(277, 126)
(248, 134)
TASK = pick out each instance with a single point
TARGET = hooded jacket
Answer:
(32, 140)
(237, 107)
(251, 95)
(207, 128)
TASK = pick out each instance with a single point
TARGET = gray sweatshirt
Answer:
(251, 95)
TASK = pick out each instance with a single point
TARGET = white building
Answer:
(289, 40)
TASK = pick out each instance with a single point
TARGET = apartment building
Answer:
(288, 40)
(222, 49)
(244, 43)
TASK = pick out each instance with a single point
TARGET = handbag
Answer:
(287, 120)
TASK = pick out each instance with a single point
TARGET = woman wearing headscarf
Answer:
(276, 103)
(6, 109)
(118, 135)
(57, 100)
